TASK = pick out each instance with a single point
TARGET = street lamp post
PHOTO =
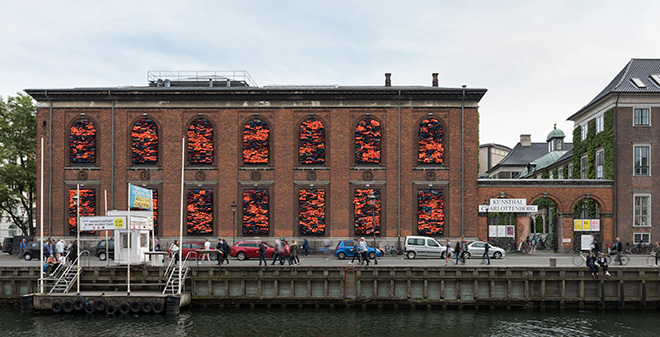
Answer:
(233, 210)
(372, 201)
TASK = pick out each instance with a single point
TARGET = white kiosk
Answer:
(138, 232)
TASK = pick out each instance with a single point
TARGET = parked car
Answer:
(32, 250)
(189, 250)
(476, 249)
(8, 245)
(249, 250)
(102, 253)
(423, 246)
(343, 250)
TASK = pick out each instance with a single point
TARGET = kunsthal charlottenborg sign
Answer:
(508, 205)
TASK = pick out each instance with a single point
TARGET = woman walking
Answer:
(294, 252)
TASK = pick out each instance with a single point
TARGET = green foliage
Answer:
(18, 169)
(592, 210)
(555, 173)
(565, 171)
(545, 175)
(604, 139)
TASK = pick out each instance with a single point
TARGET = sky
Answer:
(541, 61)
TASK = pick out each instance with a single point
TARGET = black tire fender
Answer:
(67, 306)
(147, 307)
(110, 309)
(158, 307)
(56, 307)
(78, 304)
(99, 305)
(124, 308)
(136, 307)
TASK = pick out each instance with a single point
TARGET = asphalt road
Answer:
(539, 260)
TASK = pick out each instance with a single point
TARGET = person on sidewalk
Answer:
(447, 253)
(618, 248)
(364, 251)
(207, 246)
(221, 254)
(657, 253)
(262, 254)
(486, 254)
(457, 250)
(355, 250)
(226, 251)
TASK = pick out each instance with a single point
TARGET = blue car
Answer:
(343, 250)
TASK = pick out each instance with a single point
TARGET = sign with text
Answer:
(139, 197)
(508, 205)
(101, 223)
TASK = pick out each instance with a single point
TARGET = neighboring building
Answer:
(490, 154)
(516, 161)
(614, 138)
(297, 161)
(546, 166)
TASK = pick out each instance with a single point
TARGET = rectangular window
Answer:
(560, 172)
(599, 164)
(642, 211)
(642, 153)
(641, 238)
(583, 167)
(600, 126)
(585, 129)
(642, 117)
(570, 171)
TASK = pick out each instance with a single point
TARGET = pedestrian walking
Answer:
(23, 247)
(277, 252)
(457, 250)
(464, 250)
(657, 253)
(175, 251)
(486, 254)
(221, 253)
(207, 246)
(293, 250)
(157, 247)
(532, 248)
(596, 247)
(364, 251)
(306, 247)
(618, 248)
(356, 252)
(286, 254)
(447, 253)
(226, 251)
(262, 254)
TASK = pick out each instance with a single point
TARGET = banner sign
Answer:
(139, 197)
(102, 223)
(508, 205)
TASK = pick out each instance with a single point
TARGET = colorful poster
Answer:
(577, 225)
(586, 225)
(595, 225)
(510, 231)
(492, 231)
(140, 197)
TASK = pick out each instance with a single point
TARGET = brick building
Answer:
(297, 161)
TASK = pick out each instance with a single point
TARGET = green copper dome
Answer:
(556, 133)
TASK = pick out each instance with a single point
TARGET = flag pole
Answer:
(183, 151)
(128, 225)
(41, 216)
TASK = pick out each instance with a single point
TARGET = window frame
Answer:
(570, 171)
(648, 210)
(585, 130)
(642, 235)
(599, 164)
(639, 120)
(584, 162)
(600, 124)
(648, 160)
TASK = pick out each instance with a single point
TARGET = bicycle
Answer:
(624, 259)
(581, 259)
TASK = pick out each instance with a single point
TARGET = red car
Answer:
(249, 249)
(190, 250)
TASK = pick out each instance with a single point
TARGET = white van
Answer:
(423, 246)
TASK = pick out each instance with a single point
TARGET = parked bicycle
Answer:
(624, 259)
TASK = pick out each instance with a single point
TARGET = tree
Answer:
(18, 170)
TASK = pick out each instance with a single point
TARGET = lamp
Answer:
(372, 202)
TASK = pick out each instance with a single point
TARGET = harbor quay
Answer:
(514, 282)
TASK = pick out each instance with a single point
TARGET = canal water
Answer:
(336, 322)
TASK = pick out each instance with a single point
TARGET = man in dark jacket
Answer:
(226, 250)
(618, 247)
(356, 248)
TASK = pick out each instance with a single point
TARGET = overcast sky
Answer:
(541, 61)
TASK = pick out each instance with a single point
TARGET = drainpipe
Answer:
(398, 181)
(616, 185)
(463, 162)
(50, 162)
(112, 156)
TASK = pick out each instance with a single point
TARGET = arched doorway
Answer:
(586, 224)
(543, 224)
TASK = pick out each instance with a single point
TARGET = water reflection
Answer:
(339, 322)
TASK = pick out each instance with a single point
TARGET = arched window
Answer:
(255, 142)
(87, 207)
(366, 216)
(367, 142)
(312, 211)
(311, 147)
(431, 148)
(145, 142)
(200, 142)
(82, 142)
(430, 212)
(200, 212)
(255, 212)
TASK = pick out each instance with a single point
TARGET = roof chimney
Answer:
(435, 79)
(388, 81)
(525, 140)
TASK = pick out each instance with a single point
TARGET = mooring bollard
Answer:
(553, 262)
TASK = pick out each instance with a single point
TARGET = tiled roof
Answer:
(640, 69)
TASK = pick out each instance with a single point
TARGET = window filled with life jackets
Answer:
(82, 142)
(255, 212)
(200, 142)
(255, 142)
(430, 212)
(145, 142)
(200, 212)
(311, 148)
(367, 142)
(312, 211)
(431, 148)
(87, 207)
(364, 213)
(155, 208)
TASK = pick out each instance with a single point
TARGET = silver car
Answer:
(476, 249)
